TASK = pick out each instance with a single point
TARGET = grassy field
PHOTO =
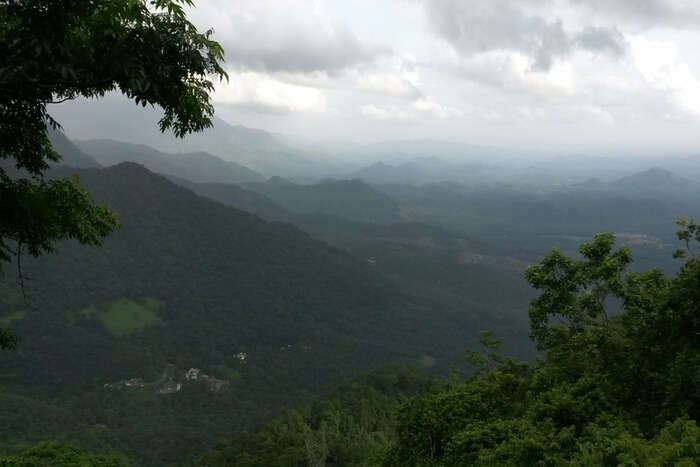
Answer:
(125, 316)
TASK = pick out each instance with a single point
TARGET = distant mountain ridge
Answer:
(410, 172)
(653, 178)
(239, 198)
(422, 170)
(653, 183)
(71, 154)
(118, 119)
(349, 199)
(197, 166)
(254, 148)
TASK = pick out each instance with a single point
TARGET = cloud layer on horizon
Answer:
(595, 72)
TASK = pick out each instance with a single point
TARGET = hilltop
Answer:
(349, 199)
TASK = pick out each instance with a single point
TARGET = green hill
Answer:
(239, 198)
(268, 314)
(349, 199)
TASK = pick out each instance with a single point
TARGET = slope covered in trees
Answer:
(349, 199)
(189, 283)
(611, 387)
(239, 198)
(350, 426)
(71, 154)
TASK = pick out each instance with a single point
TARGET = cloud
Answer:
(446, 66)
(511, 72)
(645, 13)
(473, 27)
(393, 84)
(275, 35)
(423, 107)
(601, 40)
(384, 113)
(264, 93)
(428, 105)
(478, 26)
(286, 57)
(660, 65)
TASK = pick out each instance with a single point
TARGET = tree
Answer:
(616, 383)
(58, 455)
(57, 50)
(575, 292)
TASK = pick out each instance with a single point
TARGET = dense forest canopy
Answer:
(611, 388)
(278, 316)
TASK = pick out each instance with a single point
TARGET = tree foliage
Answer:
(58, 50)
(617, 384)
(350, 426)
(57, 455)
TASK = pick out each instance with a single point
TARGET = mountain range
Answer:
(258, 150)
(196, 166)
(187, 282)
(349, 199)
(274, 291)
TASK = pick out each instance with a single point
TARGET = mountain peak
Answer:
(658, 173)
(652, 177)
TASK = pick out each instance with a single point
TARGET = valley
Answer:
(349, 234)
(270, 315)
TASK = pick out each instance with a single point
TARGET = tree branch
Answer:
(20, 275)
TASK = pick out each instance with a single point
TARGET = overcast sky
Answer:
(574, 75)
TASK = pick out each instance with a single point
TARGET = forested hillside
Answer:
(71, 154)
(475, 273)
(612, 388)
(350, 199)
(270, 314)
(239, 198)
(349, 426)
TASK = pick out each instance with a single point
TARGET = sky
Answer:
(565, 75)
